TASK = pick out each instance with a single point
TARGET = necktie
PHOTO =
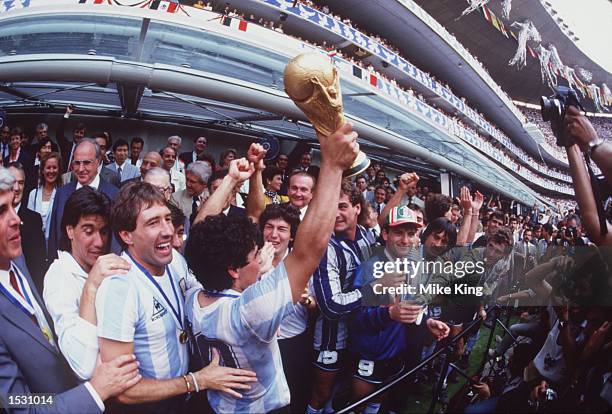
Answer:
(119, 171)
(378, 208)
(14, 283)
(194, 209)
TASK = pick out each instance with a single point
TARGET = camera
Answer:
(553, 110)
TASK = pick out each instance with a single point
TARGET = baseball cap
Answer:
(402, 215)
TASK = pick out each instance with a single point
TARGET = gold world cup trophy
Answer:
(312, 82)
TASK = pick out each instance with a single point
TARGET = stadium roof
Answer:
(494, 50)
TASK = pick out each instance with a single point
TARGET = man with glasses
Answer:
(86, 159)
(160, 179)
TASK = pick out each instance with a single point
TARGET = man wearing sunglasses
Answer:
(86, 158)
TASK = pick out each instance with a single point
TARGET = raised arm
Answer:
(405, 181)
(579, 128)
(586, 199)
(476, 206)
(338, 151)
(255, 202)
(465, 201)
(239, 171)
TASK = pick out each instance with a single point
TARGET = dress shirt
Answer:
(78, 339)
(94, 184)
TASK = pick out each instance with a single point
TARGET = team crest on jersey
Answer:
(158, 310)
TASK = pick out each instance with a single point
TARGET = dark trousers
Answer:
(296, 354)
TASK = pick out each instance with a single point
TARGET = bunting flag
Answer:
(241, 25)
(357, 72)
(527, 32)
(163, 5)
(495, 21)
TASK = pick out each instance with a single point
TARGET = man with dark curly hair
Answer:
(237, 313)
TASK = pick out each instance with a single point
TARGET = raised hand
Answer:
(477, 202)
(340, 148)
(241, 169)
(465, 199)
(406, 180)
(256, 155)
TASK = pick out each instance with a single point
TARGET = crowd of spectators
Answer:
(103, 236)
(603, 126)
(462, 120)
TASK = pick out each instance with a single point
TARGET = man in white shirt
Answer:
(300, 191)
(72, 281)
(175, 142)
(177, 178)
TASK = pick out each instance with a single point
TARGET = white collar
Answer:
(70, 264)
(23, 285)
(226, 211)
(94, 184)
(120, 166)
(17, 207)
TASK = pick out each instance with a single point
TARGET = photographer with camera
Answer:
(575, 132)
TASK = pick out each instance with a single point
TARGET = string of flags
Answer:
(551, 66)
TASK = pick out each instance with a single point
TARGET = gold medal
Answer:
(183, 337)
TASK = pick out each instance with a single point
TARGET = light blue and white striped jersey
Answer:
(131, 309)
(333, 287)
(243, 327)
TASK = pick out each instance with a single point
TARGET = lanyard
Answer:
(176, 313)
(14, 300)
(217, 294)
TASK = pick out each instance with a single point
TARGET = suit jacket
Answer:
(186, 158)
(236, 211)
(107, 174)
(30, 364)
(31, 177)
(61, 196)
(183, 201)
(131, 180)
(128, 172)
(33, 244)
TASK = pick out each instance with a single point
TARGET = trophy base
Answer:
(362, 162)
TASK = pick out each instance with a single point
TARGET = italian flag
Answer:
(235, 23)
(164, 6)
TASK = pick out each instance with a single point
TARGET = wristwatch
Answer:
(594, 144)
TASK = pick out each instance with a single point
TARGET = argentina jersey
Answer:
(242, 327)
(333, 287)
(130, 308)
